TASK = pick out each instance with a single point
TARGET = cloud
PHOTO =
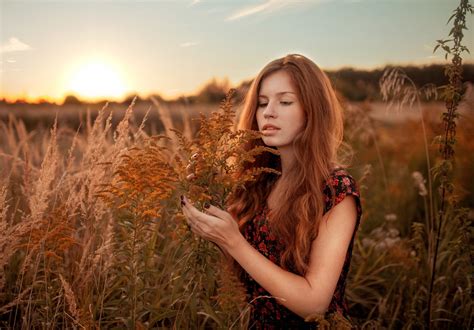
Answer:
(194, 2)
(189, 44)
(271, 6)
(252, 10)
(14, 45)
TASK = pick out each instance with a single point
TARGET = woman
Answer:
(292, 234)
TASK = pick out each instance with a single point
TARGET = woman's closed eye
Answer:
(286, 103)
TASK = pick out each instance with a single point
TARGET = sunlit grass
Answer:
(66, 252)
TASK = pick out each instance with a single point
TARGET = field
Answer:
(72, 258)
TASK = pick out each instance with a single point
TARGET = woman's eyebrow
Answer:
(279, 93)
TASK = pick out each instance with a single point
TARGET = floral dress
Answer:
(267, 313)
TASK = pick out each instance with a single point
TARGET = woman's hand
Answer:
(215, 225)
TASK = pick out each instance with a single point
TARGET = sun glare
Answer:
(96, 80)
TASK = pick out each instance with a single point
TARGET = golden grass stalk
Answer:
(70, 298)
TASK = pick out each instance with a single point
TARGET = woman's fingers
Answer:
(195, 218)
(197, 215)
(191, 209)
(192, 223)
(219, 213)
(187, 216)
(205, 225)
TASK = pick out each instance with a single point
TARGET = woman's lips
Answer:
(269, 129)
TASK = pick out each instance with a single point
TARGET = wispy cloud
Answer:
(194, 2)
(252, 10)
(269, 6)
(14, 45)
(189, 44)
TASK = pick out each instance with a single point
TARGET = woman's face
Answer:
(278, 105)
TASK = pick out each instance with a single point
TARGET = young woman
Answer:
(292, 234)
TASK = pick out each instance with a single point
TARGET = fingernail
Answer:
(206, 205)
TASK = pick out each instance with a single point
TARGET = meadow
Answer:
(72, 259)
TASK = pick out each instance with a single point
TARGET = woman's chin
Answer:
(269, 142)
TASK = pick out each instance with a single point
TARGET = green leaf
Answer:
(451, 17)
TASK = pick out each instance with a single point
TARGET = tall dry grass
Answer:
(91, 234)
(70, 259)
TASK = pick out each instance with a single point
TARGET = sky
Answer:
(112, 49)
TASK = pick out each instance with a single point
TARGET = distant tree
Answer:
(71, 99)
(186, 99)
(158, 97)
(214, 91)
(43, 101)
(129, 98)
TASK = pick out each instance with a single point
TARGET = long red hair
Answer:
(296, 219)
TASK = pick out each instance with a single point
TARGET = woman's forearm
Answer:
(291, 290)
(304, 296)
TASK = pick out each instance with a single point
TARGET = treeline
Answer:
(353, 84)
(360, 85)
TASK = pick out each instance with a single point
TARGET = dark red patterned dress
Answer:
(267, 313)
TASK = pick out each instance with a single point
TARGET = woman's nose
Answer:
(269, 111)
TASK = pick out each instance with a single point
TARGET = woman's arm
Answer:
(303, 295)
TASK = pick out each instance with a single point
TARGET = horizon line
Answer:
(144, 95)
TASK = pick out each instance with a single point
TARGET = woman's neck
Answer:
(287, 157)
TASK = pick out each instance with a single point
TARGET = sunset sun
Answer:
(96, 79)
